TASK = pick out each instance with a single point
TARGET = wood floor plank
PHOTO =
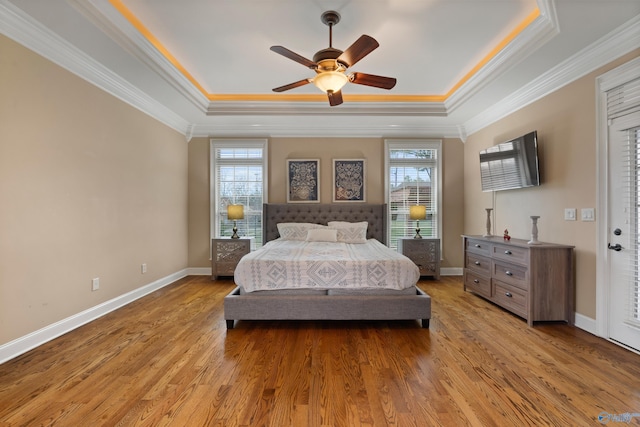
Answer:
(168, 359)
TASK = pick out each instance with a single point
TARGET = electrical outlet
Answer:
(95, 284)
(143, 268)
(570, 214)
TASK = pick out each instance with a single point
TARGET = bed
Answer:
(374, 301)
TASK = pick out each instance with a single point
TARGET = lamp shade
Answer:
(235, 212)
(330, 80)
(417, 212)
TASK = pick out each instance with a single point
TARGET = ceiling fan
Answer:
(330, 64)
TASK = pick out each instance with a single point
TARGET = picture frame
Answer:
(349, 180)
(303, 180)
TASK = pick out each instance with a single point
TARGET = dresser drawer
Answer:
(512, 274)
(510, 253)
(510, 297)
(480, 247)
(478, 263)
(477, 283)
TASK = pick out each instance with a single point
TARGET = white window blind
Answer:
(631, 187)
(413, 178)
(238, 177)
(624, 99)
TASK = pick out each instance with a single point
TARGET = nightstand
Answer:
(425, 253)
(225, 254)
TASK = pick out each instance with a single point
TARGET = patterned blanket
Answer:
(288, 264)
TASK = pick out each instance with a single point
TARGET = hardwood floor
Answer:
(167, 359)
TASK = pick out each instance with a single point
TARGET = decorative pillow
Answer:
(296, 230)
(350, 232)
(322, 235)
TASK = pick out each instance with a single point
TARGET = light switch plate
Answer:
(570, 214)
(588, 214)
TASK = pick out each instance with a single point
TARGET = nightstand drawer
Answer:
(226, 253)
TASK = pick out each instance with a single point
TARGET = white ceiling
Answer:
(220, 78)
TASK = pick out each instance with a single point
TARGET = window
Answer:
(238, 176)
(413, 177)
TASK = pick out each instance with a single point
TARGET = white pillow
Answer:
(322, 235)
(351, 232)
(296, 230)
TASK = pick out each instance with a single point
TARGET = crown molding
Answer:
(20, 27)
(116, 26)
(307, 130)
(266, 108)
(534, 36)
(617, 43)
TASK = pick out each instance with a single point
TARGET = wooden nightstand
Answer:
(425, 253)
(225, 254)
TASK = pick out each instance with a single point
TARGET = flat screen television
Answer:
(511, 164)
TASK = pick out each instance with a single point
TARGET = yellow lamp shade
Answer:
(235, 212)
(417, 212)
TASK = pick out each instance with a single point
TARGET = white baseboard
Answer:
(451, 271)
(199, 271)
(586, 323)
(25, 343)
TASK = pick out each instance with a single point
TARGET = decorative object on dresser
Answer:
(425, 253)
(534, 230)
(225, 254)
(535, 282)
(488, 232)
(417, 213)
(235, 212)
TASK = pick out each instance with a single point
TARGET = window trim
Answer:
(215, 143)
(417, 144)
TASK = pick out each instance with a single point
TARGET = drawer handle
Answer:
(508, 273)
(477, 245)
(477, 262)
(508, 294)
(476, 281)
(507, 252)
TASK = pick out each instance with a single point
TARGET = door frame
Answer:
(611, 79)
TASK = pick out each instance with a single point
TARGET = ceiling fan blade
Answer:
(335, 98)
(292, 85)
(372, 80)
(294, 56)
(358, 50)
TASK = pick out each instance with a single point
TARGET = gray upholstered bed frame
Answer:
(326, 307)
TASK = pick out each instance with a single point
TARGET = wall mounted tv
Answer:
(511, 164)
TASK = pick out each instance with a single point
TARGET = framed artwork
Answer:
(303, 181)
(349, 178)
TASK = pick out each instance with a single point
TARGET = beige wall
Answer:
(89, 187)
(565, 121)
(325, 149)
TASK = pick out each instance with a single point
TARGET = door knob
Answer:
(615, 247)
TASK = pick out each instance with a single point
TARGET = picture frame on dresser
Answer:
(303, 181)
(349, 180)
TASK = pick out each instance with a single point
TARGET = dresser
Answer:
(225, 254)
(425, 253)
(536, 282)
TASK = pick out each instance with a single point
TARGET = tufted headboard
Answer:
(274, 213)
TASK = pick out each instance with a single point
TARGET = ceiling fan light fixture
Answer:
(330, 81)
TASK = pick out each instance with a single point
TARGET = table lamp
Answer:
(235, 212)
(417, 212)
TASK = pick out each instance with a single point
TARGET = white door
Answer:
(624, 230)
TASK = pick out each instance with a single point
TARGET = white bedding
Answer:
(293, 264)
